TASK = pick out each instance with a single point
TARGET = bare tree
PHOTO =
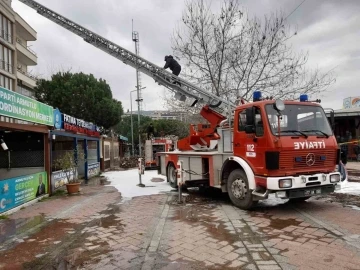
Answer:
(231, 55)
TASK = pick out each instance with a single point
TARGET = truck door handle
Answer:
(237, 144)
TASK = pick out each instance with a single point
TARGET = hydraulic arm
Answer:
(161, 76)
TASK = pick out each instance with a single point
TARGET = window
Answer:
(259, 124)
(274, 121)
(242, 120)
(2, 56)
(9, 32)
(6, 82)
(6, 29)
(305, 118)
(6, 57)
(21, 89)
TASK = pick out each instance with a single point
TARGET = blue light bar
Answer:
(322, 157)
(304, 98)
(298, 159)
(257, 96)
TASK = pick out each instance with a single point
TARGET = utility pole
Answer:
(132, 125)
(135, 38)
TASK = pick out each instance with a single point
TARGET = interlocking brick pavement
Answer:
(96, 230)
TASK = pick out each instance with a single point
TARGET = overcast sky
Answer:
(328, 29)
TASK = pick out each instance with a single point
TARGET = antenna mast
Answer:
(135, 38)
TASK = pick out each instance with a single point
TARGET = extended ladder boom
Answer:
(157, 73)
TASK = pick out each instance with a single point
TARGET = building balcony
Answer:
(24, 30)
(25, 54)
(27, 79)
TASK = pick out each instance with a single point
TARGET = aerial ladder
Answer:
(215, 107)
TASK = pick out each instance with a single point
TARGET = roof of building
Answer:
(346, 112)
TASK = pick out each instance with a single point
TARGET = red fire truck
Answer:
(271, 146)
(267, 146)
(153, 146)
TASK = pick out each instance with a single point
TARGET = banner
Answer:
(76, 125)
(59, 179)
(22, 189)
(93, 169)
(24, 108)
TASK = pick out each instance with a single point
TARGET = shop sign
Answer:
(351, 102)
(24, 108)
(123, 138)
(70, 123)
(22, 189)
(93, 169)
(59, 179)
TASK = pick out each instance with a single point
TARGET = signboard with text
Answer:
(351, 102)
(59, 179)
(22, 189)
(24, 108)
(93, 169)
(75, 125)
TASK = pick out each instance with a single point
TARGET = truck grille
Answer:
(307, 159)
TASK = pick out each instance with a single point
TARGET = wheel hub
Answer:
(172, 175)
(239, 189)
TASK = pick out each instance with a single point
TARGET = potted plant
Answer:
(68, 165)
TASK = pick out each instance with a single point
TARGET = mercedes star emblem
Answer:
(310, 159)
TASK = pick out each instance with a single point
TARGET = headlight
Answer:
(335, 178)
(285, 183)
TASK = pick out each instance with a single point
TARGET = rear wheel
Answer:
(238, 189)
(171, 175)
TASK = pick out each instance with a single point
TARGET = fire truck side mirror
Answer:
(250, 116)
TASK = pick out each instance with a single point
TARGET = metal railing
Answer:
(27, 74)
(26, 47)
(6, 66)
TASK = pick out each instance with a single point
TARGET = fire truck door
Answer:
(250, 146)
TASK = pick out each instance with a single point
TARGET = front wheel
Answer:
(171, 175)
(238, 189)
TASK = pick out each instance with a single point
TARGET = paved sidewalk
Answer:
(96, 230)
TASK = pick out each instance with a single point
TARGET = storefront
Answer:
(72, 134)
(24, 151)
(110, 152)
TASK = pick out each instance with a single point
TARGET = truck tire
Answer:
(171, 175)
(238, 189)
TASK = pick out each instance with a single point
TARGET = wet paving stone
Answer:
(97, 230)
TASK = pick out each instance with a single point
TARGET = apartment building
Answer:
(16, 54)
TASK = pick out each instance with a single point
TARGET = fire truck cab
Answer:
(272, 146)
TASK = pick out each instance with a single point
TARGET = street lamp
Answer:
(132, 126)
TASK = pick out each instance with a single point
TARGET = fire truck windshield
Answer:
(300, 120)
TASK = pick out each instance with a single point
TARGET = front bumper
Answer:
(303, 185)
(301, 181)
(307, 192)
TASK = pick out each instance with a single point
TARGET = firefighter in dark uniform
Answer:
(173, 65)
